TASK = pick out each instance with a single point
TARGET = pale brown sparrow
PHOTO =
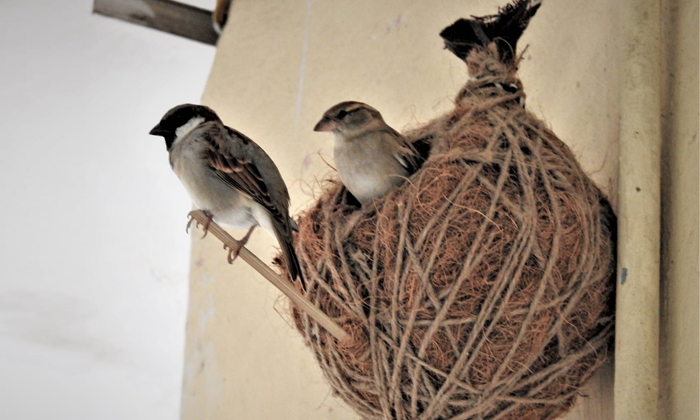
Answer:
(228, 176)
(371, 157)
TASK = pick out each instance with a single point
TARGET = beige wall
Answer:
(279, 65)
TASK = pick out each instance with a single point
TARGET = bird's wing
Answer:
(405, 153)
(243, 165)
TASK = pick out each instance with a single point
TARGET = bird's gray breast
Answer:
(208, 192)
(367, 168)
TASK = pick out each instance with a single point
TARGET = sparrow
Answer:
(228, 176)
(371, 157)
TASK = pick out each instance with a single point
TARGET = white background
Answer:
(94, 256)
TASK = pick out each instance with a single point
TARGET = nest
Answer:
(482, 287)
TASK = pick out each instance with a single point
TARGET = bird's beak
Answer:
(326, 124)
(157, 131)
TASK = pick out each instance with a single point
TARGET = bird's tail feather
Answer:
(290, 256)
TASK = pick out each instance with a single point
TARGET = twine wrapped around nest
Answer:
(479, 289)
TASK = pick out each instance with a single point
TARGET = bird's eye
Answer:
(342, 114)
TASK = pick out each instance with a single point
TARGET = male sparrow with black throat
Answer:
(228, 176)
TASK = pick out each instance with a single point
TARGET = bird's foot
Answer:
(205, 226)
(234, 251)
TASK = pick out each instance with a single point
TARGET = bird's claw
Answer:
(190, 219)
(205, 225)
(233, 252)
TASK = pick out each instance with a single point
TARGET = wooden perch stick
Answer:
(262, 268)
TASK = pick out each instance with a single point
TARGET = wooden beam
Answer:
(164, 15)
